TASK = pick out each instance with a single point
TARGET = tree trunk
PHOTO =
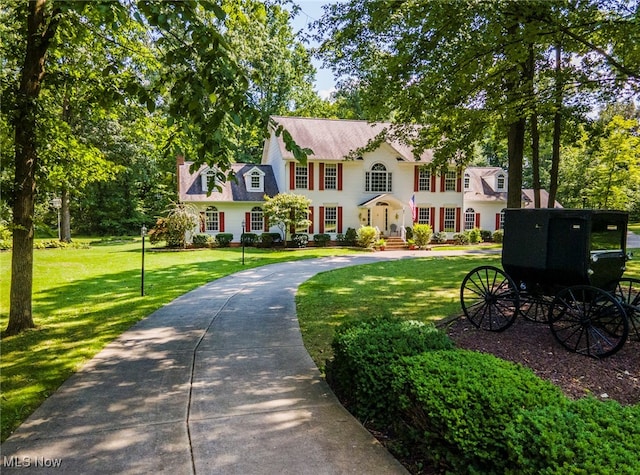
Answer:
(535, 159)
(557, 131)
(65, 217)
(515, 150)
(40, 30)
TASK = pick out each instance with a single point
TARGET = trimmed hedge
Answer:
(321, 240)
(360, 372)
(224, 239)
(455, 405)
(586, 436)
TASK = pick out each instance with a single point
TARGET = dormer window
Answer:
(254, 180)
(208, 177)
(500, 182)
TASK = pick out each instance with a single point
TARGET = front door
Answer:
(380, 217)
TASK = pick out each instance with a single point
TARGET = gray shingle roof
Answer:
(190, 184)
(332, 139)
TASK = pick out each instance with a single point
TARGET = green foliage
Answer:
(409, 231)
(485, 235)
(440, 237)
(224, 239)
(321, 240)
(586, 436)
(461, 239)
(269, 239)
(475, 236)
(498, 236)
(5, 236)
(422, 235)
(366, 236)
(287, 211)
(364, 350)
(249, 239)
(173, 229)
(202, 240)
(300, 240)
(455, 405)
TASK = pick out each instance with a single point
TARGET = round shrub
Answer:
(249, 239)
(422, 235)
(360, 372)
(498, 236)
(440, 237)
(461, 239)
(475, 236)
(321, 240)
(201, 240)
(367, 236)
(300, 240)
(224, 239)
(455, 405)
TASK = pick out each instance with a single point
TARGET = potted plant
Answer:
(411, 244)
(381, 244)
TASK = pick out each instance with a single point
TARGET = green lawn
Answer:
(85, 298)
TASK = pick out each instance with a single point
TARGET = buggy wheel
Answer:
(627, 291)
(489, 298)
(534, 305)
(589, 321)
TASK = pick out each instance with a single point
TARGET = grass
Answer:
(635, 228)
(425, 289)
(85, 298)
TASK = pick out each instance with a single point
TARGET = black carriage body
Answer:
(550, 249)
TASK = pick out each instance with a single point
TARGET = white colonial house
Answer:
(387, 187)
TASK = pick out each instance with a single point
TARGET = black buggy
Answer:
(562, 267)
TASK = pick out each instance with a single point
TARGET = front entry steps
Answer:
(394, 243)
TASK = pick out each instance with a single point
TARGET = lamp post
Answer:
(143, 233)
(242, 240)
(57, 204)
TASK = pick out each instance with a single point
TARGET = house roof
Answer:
(481, 184)
(528, 199)
(332, 139)
(190, 184)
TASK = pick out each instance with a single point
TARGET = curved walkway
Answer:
(217, 381)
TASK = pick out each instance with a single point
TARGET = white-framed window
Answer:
(501, 224)
(450, 179)
(254, 180)
(331, 176)
(257, 219)
(424, 215)
(469, 219)
(212, 220)
(378, 179)
(330, 219)
(208, 178)
(424, 180)
(302, 176)
(450, 220)
(467, 181)
(501, 182)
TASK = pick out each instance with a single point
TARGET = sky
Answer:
(311, 10)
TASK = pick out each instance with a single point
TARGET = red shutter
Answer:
(442, 181)
(458, 216)
(497, 221)
(321, 219)
(478, 220)
(310, 230)
(433, 182)
(339, 176)
(292, 175)
(321, 176)
(432, 218)
(221, 219)
(310, 171)
(247, 222)
(416, 178)
(459, 183)
(441, 219)
(340, 219)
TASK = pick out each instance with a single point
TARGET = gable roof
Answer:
(190, 184)
(334, 139)
(528, 199)
(481, 184)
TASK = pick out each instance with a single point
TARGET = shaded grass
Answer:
(425, 289)
(85, 298)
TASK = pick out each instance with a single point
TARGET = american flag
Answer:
(414, 210)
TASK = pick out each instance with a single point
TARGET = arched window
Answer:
(469, 219)
(257, 219)
(212, 219)
(378, 179)
(208, 178)
(500, 182)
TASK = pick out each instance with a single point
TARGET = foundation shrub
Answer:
(475, 236)
(300, 240)
(249, 239)
(269, 239)
(360, 372)
(498, 236)
(201, 240)
(321, 240)
(422, 235)
(586, 436)
(224, 239)
(486, 235)
(366, 236)
(453, 407)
